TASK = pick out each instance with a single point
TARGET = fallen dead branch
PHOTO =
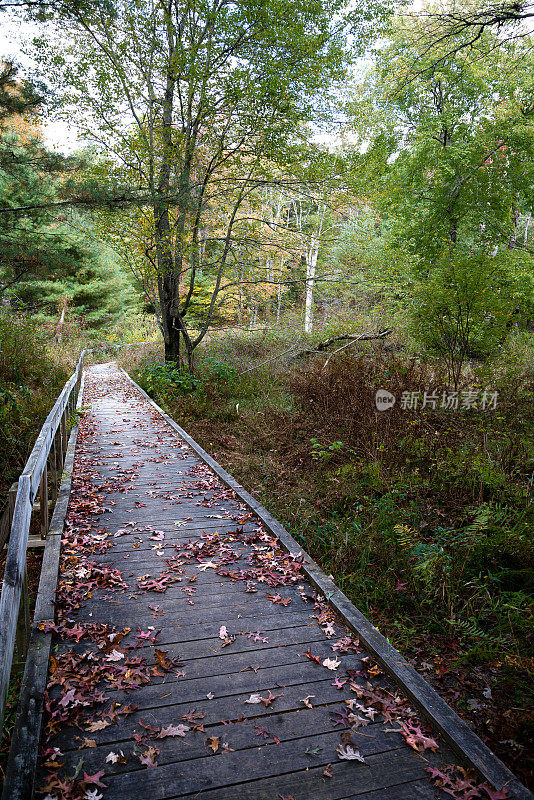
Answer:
(349, 338)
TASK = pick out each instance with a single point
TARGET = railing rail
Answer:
(47, 456)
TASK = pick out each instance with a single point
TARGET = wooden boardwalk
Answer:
(192, 657)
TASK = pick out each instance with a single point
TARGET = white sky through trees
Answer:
(15, 40)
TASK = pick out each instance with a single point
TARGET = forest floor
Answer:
(422, 518)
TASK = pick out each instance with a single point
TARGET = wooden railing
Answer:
(40, 481)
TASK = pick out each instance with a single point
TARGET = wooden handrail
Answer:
(34, 479)
(49, 450)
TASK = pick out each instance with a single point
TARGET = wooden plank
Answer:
(242, 685)
(111, 612)
(220, 663)
(22, 761)
(302, 785)
(185, 778)
(301, 724)
(454, 730)
(226, 709)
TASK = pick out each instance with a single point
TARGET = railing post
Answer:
(22, 636)
(13, 586)
(23, 622)
(11, 499)
(63, 428)
(43, 502)
(58, 450)
(7, 518)
(53, 469)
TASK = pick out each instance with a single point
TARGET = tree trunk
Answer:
(527, 225)
(172, 345)
(311, 264)
(512, 243)
(61, 322)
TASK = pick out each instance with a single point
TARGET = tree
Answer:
(467, 306)
(46, 261)
(452, 150)
(29, 176)
(91, 290)
(16, 97)
(193, 100)
(452, 28)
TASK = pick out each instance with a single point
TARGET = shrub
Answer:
(30, 380)
(467, 305)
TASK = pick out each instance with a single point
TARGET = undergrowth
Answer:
(30, 380)
(423, 517)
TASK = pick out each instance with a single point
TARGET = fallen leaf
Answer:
(349, 753)
(87, 743)
(254, 699)
(312, 658)
(329, 630)
(95, 779)
(331, 663)
(213, 743)
(91, 794)
(306, 700)
(339, 684)
(97, 725)
(115, 655)
(148, 757)
(270, 698)
(172, 730)
(207, 565)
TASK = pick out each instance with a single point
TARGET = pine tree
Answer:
(46, 261)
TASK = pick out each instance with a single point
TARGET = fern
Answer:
(471, 628)
(406, 536)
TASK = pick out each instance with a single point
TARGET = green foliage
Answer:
(451, 139)
(319, 453)
(16, 96)
(43, 262)
(97, 293)
(30, 380)
(468, 304)
(161, 379)
(377, 270)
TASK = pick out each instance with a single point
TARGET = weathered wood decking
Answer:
(190, 647)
